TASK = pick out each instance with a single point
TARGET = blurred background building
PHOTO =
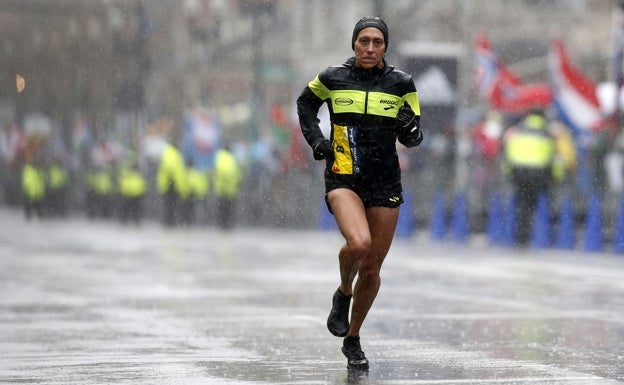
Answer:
(110, 57)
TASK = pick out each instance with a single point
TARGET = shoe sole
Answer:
(357, 366)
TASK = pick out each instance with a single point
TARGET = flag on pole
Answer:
(502, 88)
(575, 97)
(486, 68)
(577, 106)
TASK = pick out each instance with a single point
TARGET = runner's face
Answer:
(369, 48)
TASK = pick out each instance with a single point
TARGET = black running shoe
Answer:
(355, 356)
(338, 320)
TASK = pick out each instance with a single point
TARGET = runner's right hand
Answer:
(323, 150)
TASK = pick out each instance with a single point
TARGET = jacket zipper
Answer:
(368, 88)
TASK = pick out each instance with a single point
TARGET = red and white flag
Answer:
(574, 95)
(502, 88)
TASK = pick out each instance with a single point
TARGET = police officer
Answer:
(227, 177)
(172, 183)
(100, 191)
(198, 187)
(33, 189)
(132, 187)
(530, 161)
(57, 186)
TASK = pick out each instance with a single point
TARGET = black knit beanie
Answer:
(366, 22)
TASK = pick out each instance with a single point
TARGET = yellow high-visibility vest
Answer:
(33, 183)
(530, 146)
(57, 177)
(172, 172)
(227, 174)
(132, 184)
(199, 182)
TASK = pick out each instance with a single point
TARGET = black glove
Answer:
(406, 120)
(323, 150)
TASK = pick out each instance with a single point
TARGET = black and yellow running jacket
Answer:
(363, 106)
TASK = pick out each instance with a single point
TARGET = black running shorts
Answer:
(374, 192)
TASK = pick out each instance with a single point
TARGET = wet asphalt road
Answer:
(85, 302)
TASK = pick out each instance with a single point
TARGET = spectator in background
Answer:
(132, 187)
(198, 186)
(57, 188)
(530, 161)
(227, 177)
(12, 151)
(33, 188)
(484, 162)
(172, 183)
(100, 190)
